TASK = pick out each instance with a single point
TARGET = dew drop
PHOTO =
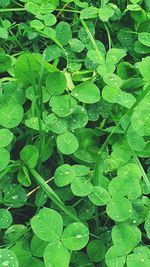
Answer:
(15, 197)
(79, 236)
(5, 263)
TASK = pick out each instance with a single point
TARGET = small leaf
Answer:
(49, 19)
(113, 94)
(75, 236)
(119, 209)
(16, 197)
(37, 246)
(29, 154)
(3, 33)
(89, 12)
(63, 32)
(8, 258)
(56, 255)
(56, 83)
(106, 12)
(5, 218)
(76, 45)
(115, 256)
(11, 115)
(67, 143)
(96, 250)
(99, 196)
(47, 225)
(4, 158)
(64, 175)
(86, 92)
(114, 55)
(126, 236)
(37, 24)
(81, 186)
(134, 260)
(6, 137)
(144, 38)
(63, 105)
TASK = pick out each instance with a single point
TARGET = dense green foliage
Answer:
(75, 133)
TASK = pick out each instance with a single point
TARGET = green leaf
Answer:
(63, 105)
(47, 225)
(106, 12)
(64, 175)
(37, 246)
(134, 260)
(37, 24)
(115, 257)
(125, 186)
(56, 255)
(23, 176)
(99, 196)
(114, 55)
(146, 226)
(6, 137)
(78, 118)
(144, 38)
(30, 94)
(16, 197)
(56, 83)
(51, 52)
(126, 236)
(113, 94)
(67, 143)
(30, 154)
(138, 142)
(34, 262)
(55, 124)
(88, 141)
(4, 3)
(130, 170)
(76, 45)
(140, 122)
(75, 236)
(49, 19)
(96, 250)
(8, 258)
(63, 32)
(32, 7)
(89, 12)
(33, 123)
(11, 115)
(86, 92)
(119, 209)
(112, 80)
(5, 61)
(5, 218)
(81, 186)
(4, 158)
(81, 170)
(3, 33)
(144, 66)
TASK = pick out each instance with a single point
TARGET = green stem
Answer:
(108, 35)
(24, 9)
(92, 39)
(12, 9)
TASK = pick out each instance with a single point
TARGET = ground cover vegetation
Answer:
(74, 133)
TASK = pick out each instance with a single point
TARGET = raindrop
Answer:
(78, 236)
